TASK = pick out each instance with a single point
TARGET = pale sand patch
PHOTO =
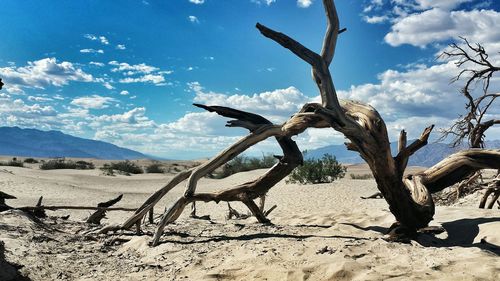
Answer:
(308, 219)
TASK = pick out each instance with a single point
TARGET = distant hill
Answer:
(35, 143)
(427, 156)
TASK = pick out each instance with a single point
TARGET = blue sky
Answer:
(127, 72)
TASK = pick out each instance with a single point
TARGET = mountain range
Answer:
(36, 143)
(427, 156)
(15, 141)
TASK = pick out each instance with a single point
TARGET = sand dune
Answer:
(320, 232)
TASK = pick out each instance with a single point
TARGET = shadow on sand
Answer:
(461, 233)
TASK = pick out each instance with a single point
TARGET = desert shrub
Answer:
(243, 164)
(14, 162)
(125, 167)
(30, 161)
(107, 170)
(361, 176)
(313, 171)
(55, 164)
(84, 165)
(58, 164)
(155, 168)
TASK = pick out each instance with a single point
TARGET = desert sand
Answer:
(319, 232)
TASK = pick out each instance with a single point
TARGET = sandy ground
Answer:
(320, 232)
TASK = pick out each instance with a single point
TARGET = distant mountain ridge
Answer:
(427, 156)
(36, 143)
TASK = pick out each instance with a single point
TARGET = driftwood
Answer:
(98, 215)
(493, 190)
(94, 218)
(408, 196)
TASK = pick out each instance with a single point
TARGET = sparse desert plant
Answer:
(84, 165)
(124, 167)
(155, 167)
(361, 176)
(107, 170)
(14, 163)
(313, 171)
(31, 161)
(55, 164)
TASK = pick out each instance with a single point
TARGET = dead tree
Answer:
(477, 68)
(409, 197)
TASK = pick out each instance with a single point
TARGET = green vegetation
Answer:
(313, 171)
(66, 164)
(155, 167)
(30, 161)
(124, 167)
(243, 164)
(361, 176)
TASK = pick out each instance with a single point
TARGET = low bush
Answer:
(125, 167)
(55, 164)
(30, 161)
(361, 176)
(14, 162)
(155, 168)
(313, 171)
(243, 164)
(84, 165)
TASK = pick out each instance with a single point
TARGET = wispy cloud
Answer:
(304, 3)
(193, 19)
(266, 2)
(121, 47)
(156, 79)
(92, 51)
(98, 64)
(129, 69)
(197, 2)
(100, 38)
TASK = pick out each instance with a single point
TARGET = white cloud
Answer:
(90, 37)
(443, 4)
(15, 112)
(100, 38)
(121, 47)
(375, 19)
(103, 40)
(132, 69)
(124, 93)
(148, 78)
(436, 25)
(108, 86)
(260, 2)
(93, 102)
(197, 2)
(193, 19)
(276, 105)
(304, 3)
(39, 99)
(92, 51)
(424, 22)
(98, 64)
(42, 73)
